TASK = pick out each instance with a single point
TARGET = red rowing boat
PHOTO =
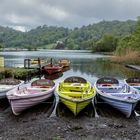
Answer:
(51, 68)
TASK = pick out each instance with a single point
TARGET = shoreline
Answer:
(19, 73)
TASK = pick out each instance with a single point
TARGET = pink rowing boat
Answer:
(28, 95)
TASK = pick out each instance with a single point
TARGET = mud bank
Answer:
(35, 124)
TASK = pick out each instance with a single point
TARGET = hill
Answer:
(77, 38)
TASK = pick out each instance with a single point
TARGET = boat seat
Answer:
(22, 91)
(109, 87)
(75, 79)
(74, 85)
(69, 93)
(134, 84)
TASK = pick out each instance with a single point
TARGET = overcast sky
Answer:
(27, 14)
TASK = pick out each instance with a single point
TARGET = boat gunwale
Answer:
(11, 96)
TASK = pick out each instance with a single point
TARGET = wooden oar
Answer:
(96, 114)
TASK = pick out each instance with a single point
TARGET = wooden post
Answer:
(39, 63)
(24, 63)
(27, 63)
(51, 62)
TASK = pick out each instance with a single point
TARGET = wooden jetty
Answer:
(136, 67)
(28, 65)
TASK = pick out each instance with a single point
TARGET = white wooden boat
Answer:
(133, 82)
(28, 95)
(8, 84)
(118, 95)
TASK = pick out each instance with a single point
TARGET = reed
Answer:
(128, 56)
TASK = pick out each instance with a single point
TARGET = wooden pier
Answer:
(136, 67)
(29, 65)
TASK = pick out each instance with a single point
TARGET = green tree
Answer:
(131, 41)
(70, 44)
(106, 44)
(1, 46)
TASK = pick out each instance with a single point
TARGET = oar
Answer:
(54, 111)
(96, 114)
(136, 113)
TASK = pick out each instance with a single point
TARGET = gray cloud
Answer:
(27, 14)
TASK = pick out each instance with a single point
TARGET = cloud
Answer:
(54, 12)
(31, 13)
(19, 28)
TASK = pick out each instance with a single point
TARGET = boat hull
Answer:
(64, 62)
(51, 70)
(20, 103)
(125, 107)
(75, 106)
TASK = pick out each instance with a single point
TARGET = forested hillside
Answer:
(131, 41)
(86, 37)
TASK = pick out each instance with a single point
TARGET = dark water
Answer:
(89, 66)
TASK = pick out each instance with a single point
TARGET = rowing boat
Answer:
(28, 95)
(8, 84)
(118, 95)
(76, 93)
(64, 62)
(133, 82)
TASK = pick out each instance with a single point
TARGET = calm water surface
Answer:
(85, 64)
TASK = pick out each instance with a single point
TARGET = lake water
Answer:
(83, 63)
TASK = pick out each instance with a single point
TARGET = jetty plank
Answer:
(136, 67)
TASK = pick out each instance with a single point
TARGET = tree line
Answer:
(105, 36)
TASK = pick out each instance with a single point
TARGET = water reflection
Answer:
(66, 69)
(53, 76)
(100, 68)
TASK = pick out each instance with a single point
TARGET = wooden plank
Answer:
(136, 67)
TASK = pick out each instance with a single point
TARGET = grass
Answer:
(49, 46)
(57, 138)
(129, 57)
(19, 73)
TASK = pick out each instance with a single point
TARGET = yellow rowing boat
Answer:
(76, 93)
(64, 62)
(36, 61)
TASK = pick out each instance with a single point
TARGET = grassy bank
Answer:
(19, 73)
(129, 57)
